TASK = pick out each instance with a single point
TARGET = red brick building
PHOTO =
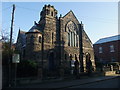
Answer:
(107, 49)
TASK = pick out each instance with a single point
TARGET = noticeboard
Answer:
(16, 58)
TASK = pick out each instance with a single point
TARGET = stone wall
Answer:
(33, 46)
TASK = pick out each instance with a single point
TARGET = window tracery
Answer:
(72, 34)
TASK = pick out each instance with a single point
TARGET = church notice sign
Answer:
(16, 58)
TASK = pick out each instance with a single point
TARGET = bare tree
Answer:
(5, 36)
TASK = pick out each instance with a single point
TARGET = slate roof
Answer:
(34, 28)
(23, 37)
(108, 39)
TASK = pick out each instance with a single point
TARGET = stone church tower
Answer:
(44, 34)
(55, 42)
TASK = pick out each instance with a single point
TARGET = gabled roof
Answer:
(71, 12)
(22, 37)
(22, 34)
(108, 39)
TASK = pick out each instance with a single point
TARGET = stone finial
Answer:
(60, 15)
(35, 23)
(81, 22)
(19, 28)
(49, 5)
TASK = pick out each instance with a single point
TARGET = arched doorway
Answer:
(51, 60)
(87, 55)
(88, 62)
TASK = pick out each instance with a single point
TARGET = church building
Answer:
(55, 42)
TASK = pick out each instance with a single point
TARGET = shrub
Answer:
(27, 68)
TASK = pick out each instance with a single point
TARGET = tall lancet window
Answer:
(68, 39)
(71, 39)
(40, 39)
(77, 41)
(31, 38)
(47, 12)
(74, 40)
(52, 37)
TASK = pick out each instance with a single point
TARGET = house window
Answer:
(101, 60)
(100, 49)
(113, 59)
(112, 48)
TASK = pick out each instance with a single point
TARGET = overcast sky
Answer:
(100, 19)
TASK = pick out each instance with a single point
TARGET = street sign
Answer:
(16, 58)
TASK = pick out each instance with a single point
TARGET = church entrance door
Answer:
(51, 61)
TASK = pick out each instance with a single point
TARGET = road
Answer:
(111, 83)
(96, 82)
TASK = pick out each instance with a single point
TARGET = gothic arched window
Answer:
(40, 39)
(47, 12)
(77, 40)
(52, 14)
(52, 37)
(31, 38)
(68, 39)
(65, 56)
(75, 57)
(71, 29)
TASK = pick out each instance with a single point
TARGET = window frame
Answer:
(112, 49)
(100, 49)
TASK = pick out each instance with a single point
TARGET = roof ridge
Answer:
(111, 36)
(108, 39)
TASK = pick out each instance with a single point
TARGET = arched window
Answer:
(75, 57)
(40, 39)
(52, 37)
(71, 56)
(52, 14)
(76, 41)
(71, 39)
(31, 38)
(47, 12)
(65, 56)
(68, 39)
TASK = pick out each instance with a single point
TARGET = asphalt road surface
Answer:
(111, 83)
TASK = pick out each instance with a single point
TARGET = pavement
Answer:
(65, 83)
(61, 84)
